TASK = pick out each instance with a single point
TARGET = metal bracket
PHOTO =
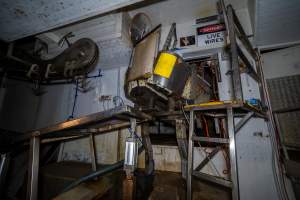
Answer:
(243, 121)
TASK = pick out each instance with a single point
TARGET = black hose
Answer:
(92, 175)
(100, 172)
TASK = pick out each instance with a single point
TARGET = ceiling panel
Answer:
(277, 22)
(21, 18)
(169, 11)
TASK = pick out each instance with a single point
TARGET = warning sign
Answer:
(211, 36)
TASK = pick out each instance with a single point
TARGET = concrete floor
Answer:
(170, 185)
(161, 186)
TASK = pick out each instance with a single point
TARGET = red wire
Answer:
(206, 126)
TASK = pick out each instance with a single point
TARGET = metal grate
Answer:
(285, 100)
(289, 128)
(284, 92)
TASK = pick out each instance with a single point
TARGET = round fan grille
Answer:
(140, 26)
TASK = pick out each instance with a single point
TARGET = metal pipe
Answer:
(92, 175)
(99, 172)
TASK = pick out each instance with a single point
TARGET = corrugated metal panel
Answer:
(289, 128)
(21, 18)
(285, 95)
(284, 92)
(277, 22)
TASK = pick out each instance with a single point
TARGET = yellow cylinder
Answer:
(165, 65)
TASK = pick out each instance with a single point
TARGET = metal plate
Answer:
(143, 57)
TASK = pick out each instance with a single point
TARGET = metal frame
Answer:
(232, 154)
(87, 126)
(231, 111)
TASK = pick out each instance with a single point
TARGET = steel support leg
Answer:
(149, 162)
(190, 156)
(33, 170)
(93, 152)
(182, 145)
(232, 153)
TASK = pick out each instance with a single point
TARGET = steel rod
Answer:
(93, 152)
(33, 170)
(190, 156)
(232, 153)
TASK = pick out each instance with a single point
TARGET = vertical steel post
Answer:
(149, 161)
(235, 67)
(33, 170)
(190, 156)
(93, 152)
(232, 153)
(4, 164)
(182, 145)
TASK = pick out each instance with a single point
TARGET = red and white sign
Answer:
(211, 36)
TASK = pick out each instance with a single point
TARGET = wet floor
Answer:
(160, 186)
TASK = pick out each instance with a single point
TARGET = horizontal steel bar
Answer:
(209, 139)
(86, 121)
(213, 179)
